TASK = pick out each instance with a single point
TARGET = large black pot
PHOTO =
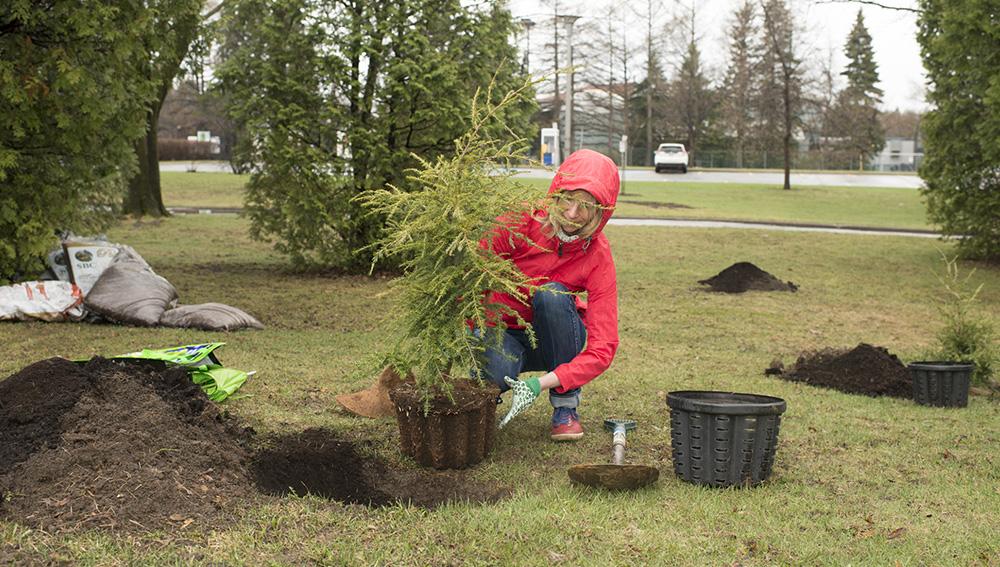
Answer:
(943, 384)
(724, 438)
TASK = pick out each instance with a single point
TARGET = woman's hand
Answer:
(525, 392)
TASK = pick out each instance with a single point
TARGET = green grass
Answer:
(845, 206)
(187, 189)
(850, 470)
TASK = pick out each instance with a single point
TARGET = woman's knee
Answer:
(552, 295)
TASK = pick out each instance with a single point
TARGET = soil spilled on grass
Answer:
(128, 446)
(865, 369)
(744, 276)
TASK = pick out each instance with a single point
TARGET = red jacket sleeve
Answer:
(601, 322)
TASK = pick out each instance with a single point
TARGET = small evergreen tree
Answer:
(960, 46)
(855, 116)
(435, 232)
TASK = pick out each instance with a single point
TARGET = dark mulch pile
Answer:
(744, 276)
(129, 446)
(865, 369)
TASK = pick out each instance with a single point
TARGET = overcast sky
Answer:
(828, 24)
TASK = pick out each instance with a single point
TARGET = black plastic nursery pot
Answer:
(941, 383)
(724, 439)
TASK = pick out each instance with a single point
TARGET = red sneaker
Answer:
(566, 425)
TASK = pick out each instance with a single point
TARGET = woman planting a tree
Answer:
(563, 249)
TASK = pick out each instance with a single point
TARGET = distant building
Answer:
(899, 154)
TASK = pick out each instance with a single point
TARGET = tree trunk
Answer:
(145, 196)
(788, 131)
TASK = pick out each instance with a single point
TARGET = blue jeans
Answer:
(560, 336)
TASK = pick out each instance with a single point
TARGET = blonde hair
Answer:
(555, 221)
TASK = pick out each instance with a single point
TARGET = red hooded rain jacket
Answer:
(584, 265)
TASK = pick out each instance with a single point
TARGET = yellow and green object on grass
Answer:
(204, 367)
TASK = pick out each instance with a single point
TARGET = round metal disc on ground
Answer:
(614, 477)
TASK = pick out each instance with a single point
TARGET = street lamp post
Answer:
(568, 135)
(527, 23)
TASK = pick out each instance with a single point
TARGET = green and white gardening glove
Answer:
(524, 393)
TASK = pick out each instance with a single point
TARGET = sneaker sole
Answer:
(566, 436)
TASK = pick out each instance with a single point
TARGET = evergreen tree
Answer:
(71, 104)
(741, 80)
(855, 116)
(339, 98)
(960, 47)
(692, 99)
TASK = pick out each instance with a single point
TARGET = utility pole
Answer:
(568, 130)
(527, 23)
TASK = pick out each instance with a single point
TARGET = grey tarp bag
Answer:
(209, 317)
(128, 291)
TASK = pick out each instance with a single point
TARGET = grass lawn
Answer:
(856, 480)
(847, 206)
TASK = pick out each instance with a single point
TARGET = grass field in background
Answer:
(856, 480)
(846, 206)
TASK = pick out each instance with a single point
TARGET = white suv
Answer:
(671, 156)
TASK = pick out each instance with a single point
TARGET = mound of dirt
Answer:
(865, 369)
(135, 445)
(744, 276)
(127, 446)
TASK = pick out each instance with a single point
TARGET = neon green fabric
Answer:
(205, 369)
(218, 382)
(186, 355)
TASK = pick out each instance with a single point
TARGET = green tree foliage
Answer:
(960, 46)
(435, 229)
(855, 115)
(71, 105)
(339, 98)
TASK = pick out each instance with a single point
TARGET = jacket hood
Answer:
(594, 173)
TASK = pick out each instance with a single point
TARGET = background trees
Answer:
(71, 104)
(961, 51)
(336, 98)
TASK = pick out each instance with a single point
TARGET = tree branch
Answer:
(872, 3)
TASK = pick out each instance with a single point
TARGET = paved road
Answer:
(762, 177)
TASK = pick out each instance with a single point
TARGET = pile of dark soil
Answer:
(129, 446)
(744, 276)
(865, 369)
(115, 445)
